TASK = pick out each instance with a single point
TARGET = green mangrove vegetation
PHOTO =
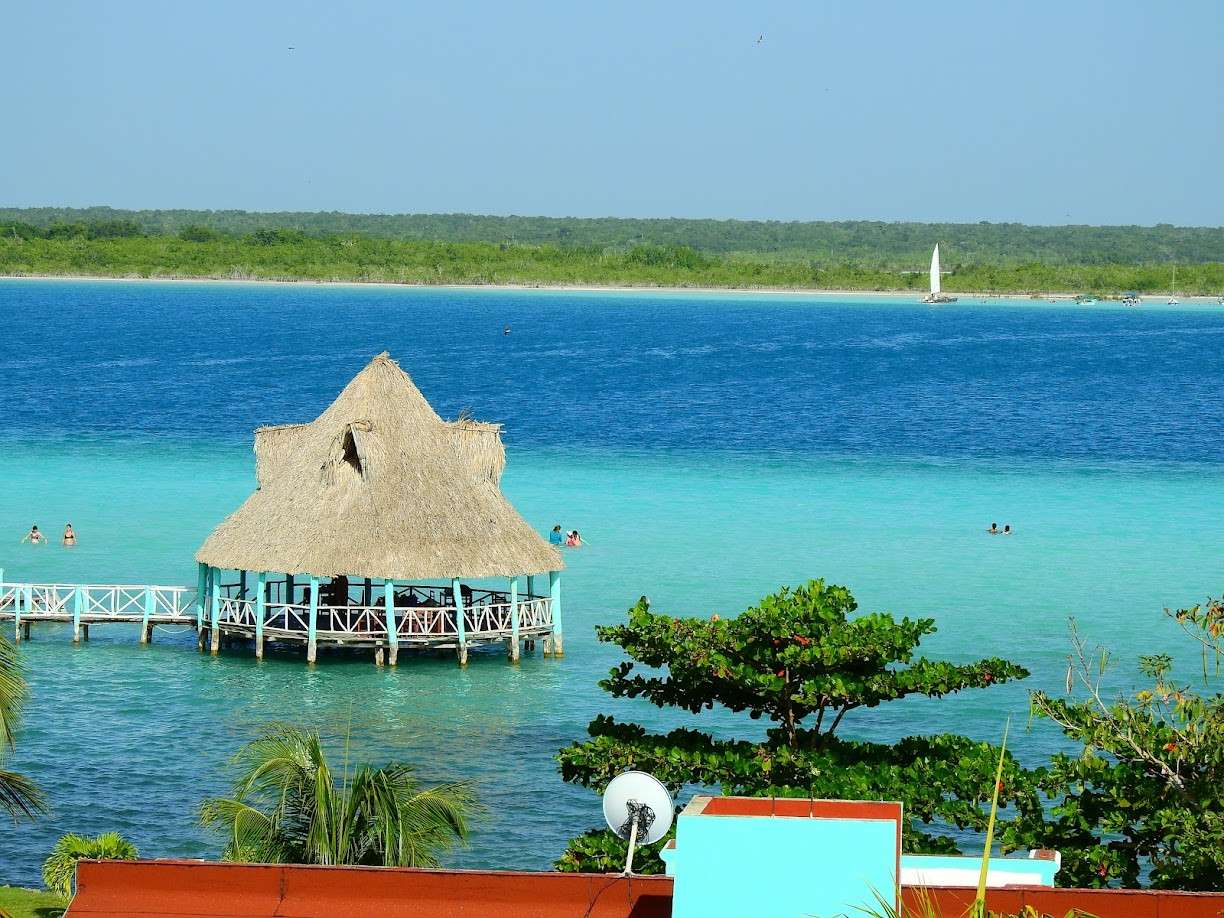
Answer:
(896, 246)
(986, 258)
(1138, 802)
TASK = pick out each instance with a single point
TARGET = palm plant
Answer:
(287, 808)
(59, 869)
(19, 796)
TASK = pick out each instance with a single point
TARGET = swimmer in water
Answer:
(573, 540)
(994, 529)
(1007, 529)
(69, 535)
(34, 537)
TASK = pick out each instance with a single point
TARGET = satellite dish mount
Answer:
(637, 808)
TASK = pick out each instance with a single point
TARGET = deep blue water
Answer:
(711, 448)
(625, 371)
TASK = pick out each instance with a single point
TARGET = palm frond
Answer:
(20, 797)
(288, 808)
(59, 869)
(12, 692)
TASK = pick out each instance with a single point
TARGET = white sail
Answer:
(935, 271)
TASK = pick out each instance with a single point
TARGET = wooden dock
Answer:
(385, 620)
(84, 605)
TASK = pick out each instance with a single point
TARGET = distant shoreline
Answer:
(912, 295)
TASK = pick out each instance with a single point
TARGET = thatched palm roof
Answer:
(379, 486)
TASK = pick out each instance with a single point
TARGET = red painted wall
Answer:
(200, 889)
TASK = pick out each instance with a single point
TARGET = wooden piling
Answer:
(513, 641)
(261, 610)
(378, 656)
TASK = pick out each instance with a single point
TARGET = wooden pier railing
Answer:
(415, 618)
(87, 604)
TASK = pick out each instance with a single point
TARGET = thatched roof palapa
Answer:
(380, 486)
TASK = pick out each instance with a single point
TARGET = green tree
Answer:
(287, 808)
(800, 661)
(59, 869)
(1147, 789)
(19, 796)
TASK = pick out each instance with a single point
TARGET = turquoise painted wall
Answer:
(780, 867)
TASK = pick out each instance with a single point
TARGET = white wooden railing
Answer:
(481, 619)
(486, 614)
(94, 602)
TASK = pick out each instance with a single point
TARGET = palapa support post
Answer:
(261, 609)
(25, 630)
(529, 644)
(201, 594)
(242, 580)
(460, 624)
(554, 643)
(18, 599)
(312, 626)
(378, 655)
(78, 605)
(514, 621)
(214, 608)
(146, 627)
(289, 589)
(392, 624)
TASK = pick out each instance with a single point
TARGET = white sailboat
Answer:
(1173, 300)
(936, 295)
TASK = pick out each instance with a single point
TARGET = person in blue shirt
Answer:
(555, 537)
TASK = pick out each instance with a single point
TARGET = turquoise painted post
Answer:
(201, 592)
(78, 605)
(392, 624)
(145, 630)
(311, 646)
(261, 609)
(460, 624)
(514, 620)
(214, 605)
(554, 588)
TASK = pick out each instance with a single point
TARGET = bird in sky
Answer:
(760, 38)
(291, 48)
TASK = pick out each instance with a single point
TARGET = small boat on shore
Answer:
(936, 295)
(1085, 299)
(1130, 298)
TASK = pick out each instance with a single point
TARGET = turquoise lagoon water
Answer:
(709, 448)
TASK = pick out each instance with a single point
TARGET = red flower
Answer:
(1102, 871)
(987, 677)
(1170, 747)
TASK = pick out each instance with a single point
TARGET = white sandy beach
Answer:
(913, 295)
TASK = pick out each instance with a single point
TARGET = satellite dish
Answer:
(638, 808)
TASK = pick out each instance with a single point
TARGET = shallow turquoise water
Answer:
(695, 515)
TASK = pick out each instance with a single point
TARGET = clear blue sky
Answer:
(1100, 111)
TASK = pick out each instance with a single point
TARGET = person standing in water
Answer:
(555, 537)
(994, 529)
(34, 537)
(573, 540)
(69, 539)
(1007, 529)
